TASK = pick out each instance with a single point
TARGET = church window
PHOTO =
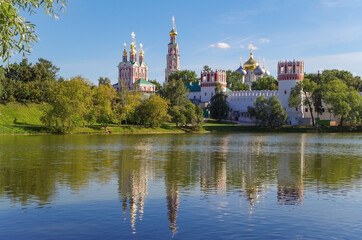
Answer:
(205, 94)
(285, 91)
(306, 109)
(322, 109)
(296, 109)
(281, 69)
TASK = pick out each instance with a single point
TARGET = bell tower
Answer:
(172, 57)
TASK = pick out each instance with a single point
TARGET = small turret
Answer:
(124, 53)
(141, 54)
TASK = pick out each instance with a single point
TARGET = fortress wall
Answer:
(240, 100)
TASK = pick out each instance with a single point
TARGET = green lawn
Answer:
(17, 118)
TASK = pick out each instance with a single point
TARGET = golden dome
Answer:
(251, 64)
(124, 52)
(173, 32)
(133, 49)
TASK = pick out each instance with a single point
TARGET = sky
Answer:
(88, 38)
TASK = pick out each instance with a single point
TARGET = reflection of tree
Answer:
(32, 172)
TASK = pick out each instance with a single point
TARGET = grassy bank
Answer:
(16, 118)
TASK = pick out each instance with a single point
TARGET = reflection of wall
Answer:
(290, 177)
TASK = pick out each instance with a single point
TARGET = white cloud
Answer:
(242, 46)
(252, 47)
(220, 45)
(264, 40)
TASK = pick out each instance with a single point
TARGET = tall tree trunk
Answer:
(341, 122)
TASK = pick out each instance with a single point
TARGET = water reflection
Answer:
(37, 169)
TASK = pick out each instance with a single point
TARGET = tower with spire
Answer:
(133, 74)
(172, 57)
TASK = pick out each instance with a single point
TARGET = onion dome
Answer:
(124, 50)
(173, 32)
(133, 45)
(251, 64)
(141, 49)
(259, 71)
(241, 70)
(267, 73)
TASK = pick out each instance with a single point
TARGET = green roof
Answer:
(172, 43)
(228, 90)
(142, 81)
(193, 87)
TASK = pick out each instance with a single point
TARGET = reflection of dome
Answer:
(259, 71)
(241, 70)
(251, 64)
(173, 32)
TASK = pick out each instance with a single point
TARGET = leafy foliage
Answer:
(265, 83)
(233, 80)
(344, 101)
(104, 81)
(305, 92)
(218, 105)
(186, 76)
(153, 112)
(268, 112)
(17, 34)
(71, 103)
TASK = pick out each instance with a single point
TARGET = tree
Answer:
(345, 76)
(233, 80)
(207, 68)
(302, 93)
(218, 105)
(265, 83)
(343, 100)
(104, 81)
(104, 98)
(125, 109)
(186, 76)
(17, 34)
(153, 112)
(70, 105)
(268, 112)
(175, 91)
(2, 76)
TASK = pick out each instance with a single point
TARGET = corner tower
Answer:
(289, 73)
(172, 57)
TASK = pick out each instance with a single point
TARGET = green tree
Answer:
(206, 68)
(265, 83)
(343, 100)
(70, 105)
(344, 76)
(17, 34)
(233, 80)
(125, 109)
(177, 115)
(153, 112)
(218, 105)
(268, 112)
(186, 76)
(104, 98)
(302, 93)
(104, 81)
(175, 91)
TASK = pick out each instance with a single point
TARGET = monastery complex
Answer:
(133, 73)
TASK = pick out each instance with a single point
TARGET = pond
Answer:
(181, 186)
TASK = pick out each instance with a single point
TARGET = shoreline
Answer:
(208, 128)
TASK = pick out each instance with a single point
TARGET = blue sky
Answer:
(88, 38)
